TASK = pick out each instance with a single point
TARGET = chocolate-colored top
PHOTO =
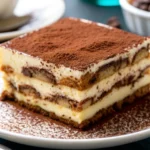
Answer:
(74, 43)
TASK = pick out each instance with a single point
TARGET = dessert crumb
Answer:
(114, 22)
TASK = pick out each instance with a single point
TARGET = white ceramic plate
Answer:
(74, 143)
(20, 125)
(45, 12)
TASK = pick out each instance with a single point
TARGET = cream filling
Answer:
(17, 60)
(48, 89)
(115, 96)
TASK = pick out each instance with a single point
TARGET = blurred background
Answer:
(20, 16)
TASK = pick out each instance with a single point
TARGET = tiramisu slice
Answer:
(75, 70)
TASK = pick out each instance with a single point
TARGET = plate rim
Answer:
(13, 34)
(78, 143)
(76, 140)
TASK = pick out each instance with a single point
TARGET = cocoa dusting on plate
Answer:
(16, 119)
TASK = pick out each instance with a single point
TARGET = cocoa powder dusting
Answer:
(74, 44)
(16, 119)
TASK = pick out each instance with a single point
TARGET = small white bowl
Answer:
(137, 20)
(7, 7)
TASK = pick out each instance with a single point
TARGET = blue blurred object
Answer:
(104, 2)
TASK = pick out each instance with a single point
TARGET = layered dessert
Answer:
(75, 71)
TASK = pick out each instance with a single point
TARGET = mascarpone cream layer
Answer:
(115, 96)
(17, 60)
(48, 89)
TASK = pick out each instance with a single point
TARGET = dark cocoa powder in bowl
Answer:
(141, 4)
